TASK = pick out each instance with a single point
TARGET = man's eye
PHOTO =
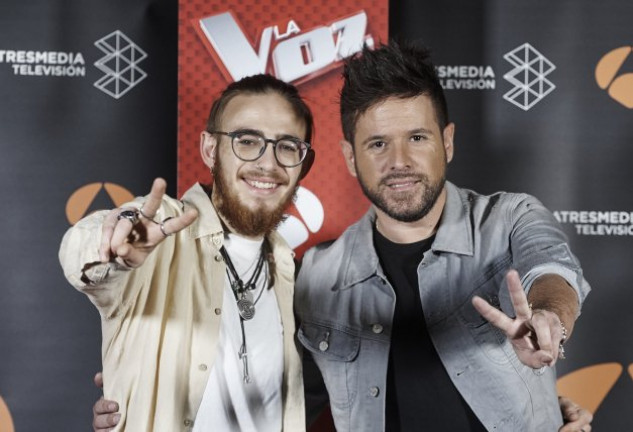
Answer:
(287, 146)
(377, 145)
(418, 138)
(247, 141)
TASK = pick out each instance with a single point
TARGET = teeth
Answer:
(399, 185)
(262, 185)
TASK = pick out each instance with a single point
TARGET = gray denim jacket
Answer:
(345, 305)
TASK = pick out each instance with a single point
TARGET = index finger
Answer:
(493, 315)
(154, 199)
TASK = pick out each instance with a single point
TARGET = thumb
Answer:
(130, 257)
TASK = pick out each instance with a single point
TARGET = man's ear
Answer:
(208, 145)
(448, 134)
(348, 155)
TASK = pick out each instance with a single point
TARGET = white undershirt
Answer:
(229, 404)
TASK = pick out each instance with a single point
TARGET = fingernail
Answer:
(111, 407)
(117, 417)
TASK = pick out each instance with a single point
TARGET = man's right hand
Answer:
(130, 242)
(105, 414)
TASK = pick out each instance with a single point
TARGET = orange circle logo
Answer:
(81, 200)
(6, 422)
(619, 87)
(589, 386)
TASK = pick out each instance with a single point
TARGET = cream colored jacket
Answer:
(161, 321)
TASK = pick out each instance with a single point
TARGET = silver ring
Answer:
(162, 227)
(146, 216)
(131, 215)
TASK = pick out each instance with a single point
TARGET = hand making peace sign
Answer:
(129, 235)
(535, 334)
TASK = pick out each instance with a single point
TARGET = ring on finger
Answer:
(162, 227)
(131, 215)
(151, 218)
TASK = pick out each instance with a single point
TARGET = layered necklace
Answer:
(244, 293)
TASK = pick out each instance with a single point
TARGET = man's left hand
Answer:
(535, 335)
(576, 418)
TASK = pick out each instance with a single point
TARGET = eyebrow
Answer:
(259, 132)
(383, 137)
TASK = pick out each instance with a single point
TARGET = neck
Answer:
(411, 232)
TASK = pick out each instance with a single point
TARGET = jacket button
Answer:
(202, 367)
(323, 345)
(217, 311)
(374, 391)
(188, 422)
(377, 328)
(218, 257)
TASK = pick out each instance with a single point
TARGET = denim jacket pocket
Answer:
(490, 340)
(334, 352)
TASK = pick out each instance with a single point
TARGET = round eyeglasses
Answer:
(251, 145)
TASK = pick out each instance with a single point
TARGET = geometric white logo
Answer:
(528, 76)
(120, 64)
(295, 231)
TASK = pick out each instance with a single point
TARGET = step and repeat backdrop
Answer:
(98, 98)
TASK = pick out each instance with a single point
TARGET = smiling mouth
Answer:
(401, 183)
(262, 185)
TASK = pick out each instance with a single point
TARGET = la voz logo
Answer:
(290, 54)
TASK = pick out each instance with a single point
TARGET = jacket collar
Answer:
(454, 235)
(208, 222)
(455, 231)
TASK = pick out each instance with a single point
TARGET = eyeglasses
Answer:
(249, 145)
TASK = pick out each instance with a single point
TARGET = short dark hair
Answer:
(260, 84)
(401, 70)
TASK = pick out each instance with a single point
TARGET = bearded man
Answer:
(441, 309)
(195, 295)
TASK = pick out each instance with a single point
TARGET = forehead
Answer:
(394, 114)
(269, 113)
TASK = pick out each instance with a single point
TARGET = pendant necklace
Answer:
(243, 292)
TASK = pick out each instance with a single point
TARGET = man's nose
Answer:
(399, 156)
(267, 160)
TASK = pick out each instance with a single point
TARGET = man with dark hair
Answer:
(196, 295)
(408, 314)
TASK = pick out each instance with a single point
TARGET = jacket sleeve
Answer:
(539, 245)
(79, 258)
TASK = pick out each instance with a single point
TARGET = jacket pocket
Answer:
(490, 340)
(334, 352)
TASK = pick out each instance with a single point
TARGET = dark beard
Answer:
(247, 222)
(406, 212)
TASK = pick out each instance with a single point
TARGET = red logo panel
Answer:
(298, 42)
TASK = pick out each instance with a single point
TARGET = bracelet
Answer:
(563, 338)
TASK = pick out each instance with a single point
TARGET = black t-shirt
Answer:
(420, 394)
